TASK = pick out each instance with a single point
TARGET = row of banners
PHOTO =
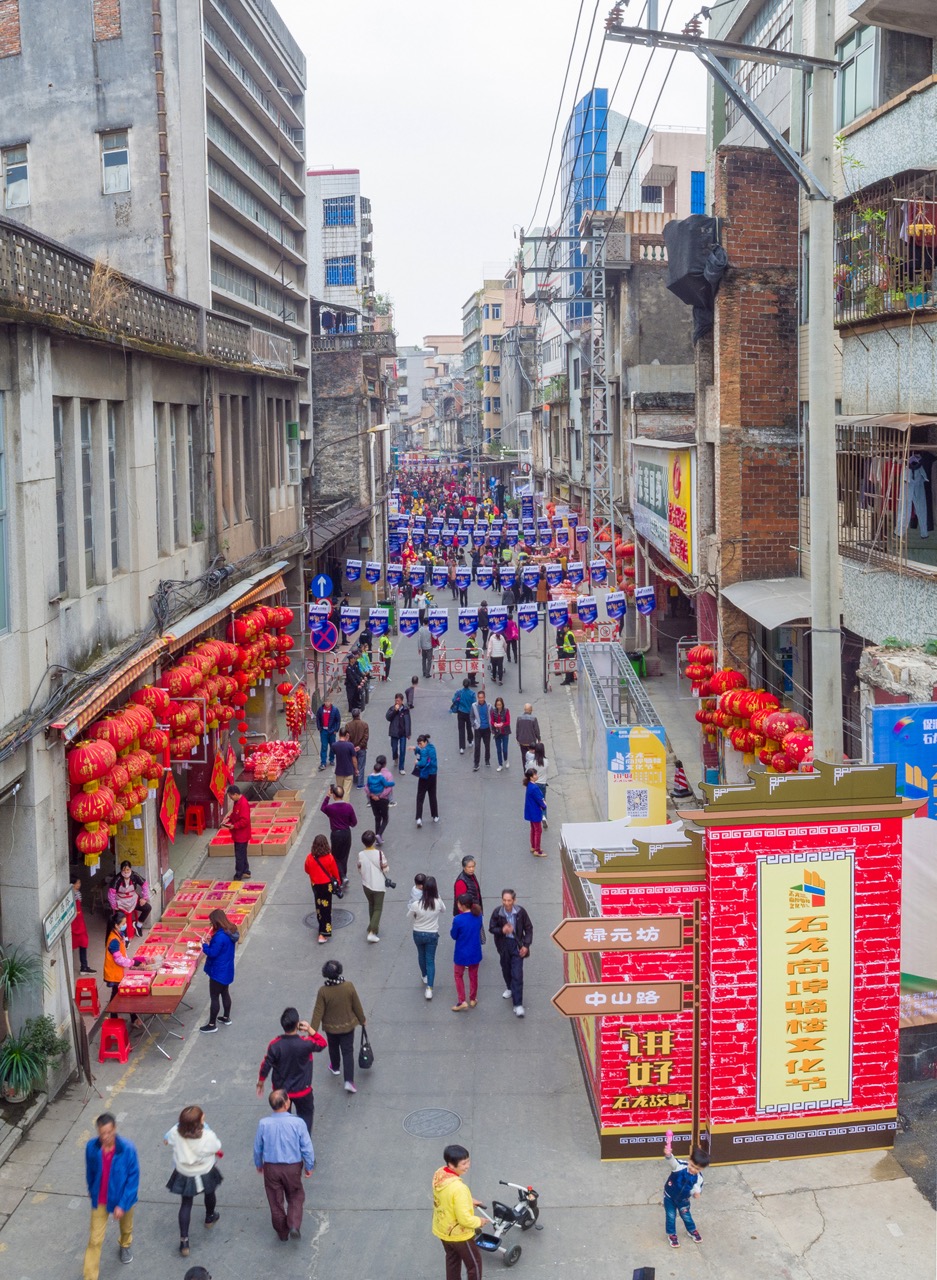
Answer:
(528, 617)
(564, 530)
(576, 570)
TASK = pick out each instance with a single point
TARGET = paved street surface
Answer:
(514, 1084)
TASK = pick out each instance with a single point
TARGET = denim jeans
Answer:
(398, 752)
(670, 1214)
(326, 747)
(362, 769)
(426, 944)
(501, 746)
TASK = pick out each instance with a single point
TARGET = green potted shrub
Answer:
(19, 970)
(25, 1059)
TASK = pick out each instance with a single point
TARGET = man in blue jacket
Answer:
(328, 722)
(462, 703)
(112, 1171)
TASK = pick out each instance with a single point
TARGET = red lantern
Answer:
(765, 755)
(727, 679)
(92, 843)
(90, 761)
(284, 688)
(91, 808)
(152, 696)
(119, 777)
(115, 730)
(798, 744)
(702, 653)
(156, 741)
(782, 763)
(285, 643)
(243, 741)
(780, 723)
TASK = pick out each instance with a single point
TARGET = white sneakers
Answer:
(373, 937)
(435, 819)
(499, 769)
(425, 980)
(349, 1087)
(428, 993)
(461, 751)
(506, 995)
(519, 1010)
(419, 822)
(507, 764)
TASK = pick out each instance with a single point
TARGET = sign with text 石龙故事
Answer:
(663, 488)
(805, 982)
(599, 999)
(905, 735)
(619, 933)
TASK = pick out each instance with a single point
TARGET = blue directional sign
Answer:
(321, 586)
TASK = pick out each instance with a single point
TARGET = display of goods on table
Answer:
(274, 828)
(270, 760)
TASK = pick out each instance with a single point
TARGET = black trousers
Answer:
(341, 847)
(305, 1108)
(465, 729)
(241, 869)
(218, 991)
(342, 1053)
(426, 787)
(482, 736)
(381, 811)
(497, 669)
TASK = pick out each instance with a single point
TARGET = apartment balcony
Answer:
(382, 344)
(918, 17)
(885, 249)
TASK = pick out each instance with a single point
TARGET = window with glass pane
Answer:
(4, 526)
(496, 311)
(87, 491)
(15, 178)
(195, 508)
(339, 211)
(857, 75)
(58, 454)
(157, 488)
(174, 477)
(339, 271)
(112, 485)
(115, 158)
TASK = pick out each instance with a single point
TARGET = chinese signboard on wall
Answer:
(662, 488)
(906, 735)
(637, 774)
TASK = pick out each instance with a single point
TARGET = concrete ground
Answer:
(514, 1085)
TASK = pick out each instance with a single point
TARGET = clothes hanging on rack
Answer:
(914, 496)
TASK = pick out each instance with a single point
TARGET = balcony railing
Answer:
(384, 344)
(886, 248)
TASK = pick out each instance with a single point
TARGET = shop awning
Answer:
(774, 602)
(325, 532)
(258, 587)
(887, 421)
(88, 707)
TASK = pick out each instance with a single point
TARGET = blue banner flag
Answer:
(598, 572)
(378, 621)
(440, 575)
(558, 613)
(318, 616)
(484, 575)
(353, 570)
(615, 605)
(582, 533)
(587, 609)
(409, 622)
(351, 619)
(394, 575)
(438, 621)
(417, 574)
(463, 576)
(530, 575)
(554, 574)
(508, 576)
(527, 617)
(575, 572)
(497, 618)
(372, 571)
(468, 620)
(645, 600)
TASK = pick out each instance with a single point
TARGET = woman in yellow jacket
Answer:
(454, 1219)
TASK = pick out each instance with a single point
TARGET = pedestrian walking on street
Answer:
(288, 1062)
(511, 637)
(80, 928)
(386, 649)
(338, 1011)
(684, 1184)
(326, 879)
(342, 818)
(282, 1151)
(454, 1219)
(483, 623)
(358, 734)
(471, 653)
(467, 882)
(373, 869)
(355, 683)
(195, 1149)
(328, 722)
(399, 729)
(513, 933)
(462, 702)
(112, 1172)
(526, 731)
(380, 793)
(535, 757)
(346, 763)
(501, 732)
(481, 726)
(426, 769)
(467, 930)
(535, 811)
(496, 652)
(238, 823)
(424, 643)
(410, 694)
(426, 911)
(219, 969)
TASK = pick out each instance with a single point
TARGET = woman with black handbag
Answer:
(326, 880)
(339, 1011)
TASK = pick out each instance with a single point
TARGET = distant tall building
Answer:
(341, 262)
(482, 325)
(167, 140)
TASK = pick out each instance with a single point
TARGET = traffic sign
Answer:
(321, 586)
(599, 999)
(325, 639)
(620, 933)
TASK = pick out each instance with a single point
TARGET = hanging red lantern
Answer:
(153, 697)
(285, 643)
(702, 653)
(727, 679)
(90, 761)
(782, 763)
(798, 744)
(181, 681)
(92, 843)
(115, 730)
(91, 808)
(284, 688)
(780, 723)
(156, 741)
(283, 663)
(243, 741)
(118, 777)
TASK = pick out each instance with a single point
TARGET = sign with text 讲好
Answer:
(662, 485)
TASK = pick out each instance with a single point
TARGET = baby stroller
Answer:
(523, 1214)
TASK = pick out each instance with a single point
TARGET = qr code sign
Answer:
(637, 802)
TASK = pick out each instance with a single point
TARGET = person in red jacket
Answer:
(239, 823)
(326, 879)
(289, 1057)
(80, 929)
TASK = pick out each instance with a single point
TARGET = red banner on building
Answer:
(169, 809)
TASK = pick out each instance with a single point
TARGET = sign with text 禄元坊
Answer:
(905, 735)
(663, 489)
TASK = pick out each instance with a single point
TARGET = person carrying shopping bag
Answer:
(338, 1010)
(326, 880)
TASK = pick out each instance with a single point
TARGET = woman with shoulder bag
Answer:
(195, 1148)
(373, 868)
(326, 880)
(338, 1010)
(501, 729)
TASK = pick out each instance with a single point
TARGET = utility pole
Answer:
(827, 687)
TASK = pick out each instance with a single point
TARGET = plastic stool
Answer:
(194, 819)
(115, 1041)
(86, 996)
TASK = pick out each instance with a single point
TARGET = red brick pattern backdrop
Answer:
(10, 28)
(106, 15)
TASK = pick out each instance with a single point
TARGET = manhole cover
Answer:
(432, 1122)
(340, 918)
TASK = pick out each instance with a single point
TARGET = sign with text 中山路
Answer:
(597, 999)
(663, 500)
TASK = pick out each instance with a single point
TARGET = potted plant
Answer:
(25, 1059)
(19, 970)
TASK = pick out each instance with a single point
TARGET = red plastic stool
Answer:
(115, 1041)
(86, 996)
(194, 819)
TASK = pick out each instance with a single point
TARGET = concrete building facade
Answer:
(341, 259)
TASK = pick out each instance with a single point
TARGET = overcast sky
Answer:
(447, 110)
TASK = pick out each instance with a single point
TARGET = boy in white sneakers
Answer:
(685, 1183)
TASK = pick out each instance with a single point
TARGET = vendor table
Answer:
(152, 1009)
